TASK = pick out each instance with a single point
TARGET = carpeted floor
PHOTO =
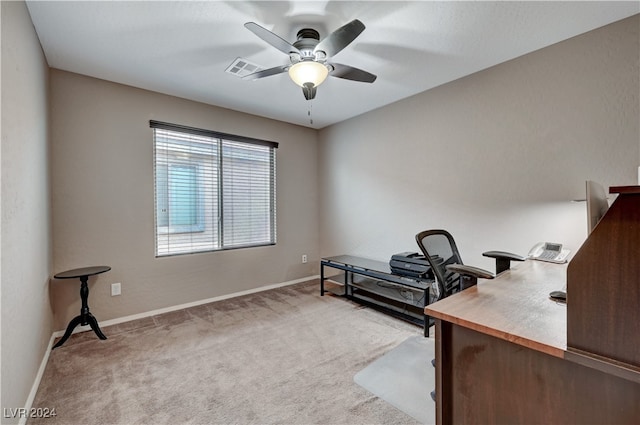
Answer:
(285, 356)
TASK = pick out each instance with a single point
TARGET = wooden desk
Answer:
(515, 307)
(501, 357)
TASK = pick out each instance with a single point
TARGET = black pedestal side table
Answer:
(85, 317)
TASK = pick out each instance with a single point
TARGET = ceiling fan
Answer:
(309, 56)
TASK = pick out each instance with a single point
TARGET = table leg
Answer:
(84, 296)
(72, 325)
(94, 325)
(85, 317)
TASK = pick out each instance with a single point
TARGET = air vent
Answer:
(241, 67)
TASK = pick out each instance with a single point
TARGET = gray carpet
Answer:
(283, 356)
(404, 377)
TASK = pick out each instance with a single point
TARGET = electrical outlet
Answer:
(115, 289)
(304, 258)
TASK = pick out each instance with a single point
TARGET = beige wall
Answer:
(26, 229)
(102, 163)
(494, 157)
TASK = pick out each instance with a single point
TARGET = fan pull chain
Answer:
(309, 112)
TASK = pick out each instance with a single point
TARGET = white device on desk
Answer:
(549, 251)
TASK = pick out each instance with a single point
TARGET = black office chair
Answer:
(452, 275)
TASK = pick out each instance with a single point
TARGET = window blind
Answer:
(213, 191)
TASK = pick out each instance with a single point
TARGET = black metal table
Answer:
(379, 288)
(85, 317)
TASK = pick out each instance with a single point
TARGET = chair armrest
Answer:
(503, 254)
(470, 271)
(469, 275)
(503, 259)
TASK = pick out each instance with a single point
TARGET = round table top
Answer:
(84, 271)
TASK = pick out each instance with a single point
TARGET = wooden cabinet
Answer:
(603, 285)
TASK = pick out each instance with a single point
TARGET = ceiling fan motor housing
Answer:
(308, 39)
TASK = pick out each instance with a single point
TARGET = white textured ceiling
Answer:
(182, 48)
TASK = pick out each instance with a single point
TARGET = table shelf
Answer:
(372, 283)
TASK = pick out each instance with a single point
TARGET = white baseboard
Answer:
(56, 334)
(124, 319)
(36, 382)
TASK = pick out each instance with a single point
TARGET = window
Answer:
(213, 191)
(177, 191)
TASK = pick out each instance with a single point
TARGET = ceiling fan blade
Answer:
(350, 73)
(277, 42)
(266, 72)
(340, 38)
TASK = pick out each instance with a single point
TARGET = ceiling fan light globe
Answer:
(308, 72)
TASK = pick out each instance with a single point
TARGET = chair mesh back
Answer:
(440, 249)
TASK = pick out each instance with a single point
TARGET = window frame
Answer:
(217, 240)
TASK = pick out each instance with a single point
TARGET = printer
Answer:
(411, 264)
